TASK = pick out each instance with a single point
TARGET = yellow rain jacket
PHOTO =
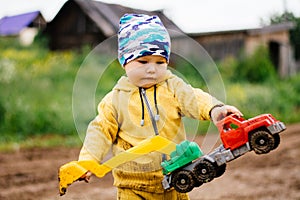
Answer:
(118, 125)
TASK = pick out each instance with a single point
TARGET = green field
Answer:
(37, 87)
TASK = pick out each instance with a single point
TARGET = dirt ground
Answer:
(32, 174)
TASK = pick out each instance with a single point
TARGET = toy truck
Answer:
(238, 136)
(188, 167)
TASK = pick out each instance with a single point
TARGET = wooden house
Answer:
(88, 22)
(231, 43)
(81, 22)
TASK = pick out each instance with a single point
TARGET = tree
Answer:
(294, 33)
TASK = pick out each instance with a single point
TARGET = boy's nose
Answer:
(150, 68)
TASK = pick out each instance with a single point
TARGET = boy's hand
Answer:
(86, 177)
(219, 112)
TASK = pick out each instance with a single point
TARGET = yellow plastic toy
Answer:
(72, 171)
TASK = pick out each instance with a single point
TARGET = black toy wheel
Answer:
(205, 171)
(197, 183)
(262, 142)
(277, 141)
(183, 181)
(220, 170)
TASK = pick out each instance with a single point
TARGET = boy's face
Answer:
(146, 71)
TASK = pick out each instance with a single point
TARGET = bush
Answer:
(256, 68)
(280, 99)
(253, 86)
(36, 92)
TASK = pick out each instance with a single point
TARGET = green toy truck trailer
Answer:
(185, 153)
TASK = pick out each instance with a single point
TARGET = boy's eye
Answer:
(160, 62)
(142, 61)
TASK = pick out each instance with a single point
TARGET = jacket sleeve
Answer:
(101, 132)
(193, 102)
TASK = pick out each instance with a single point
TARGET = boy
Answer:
(123, 122)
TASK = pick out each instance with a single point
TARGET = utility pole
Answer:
(285, 11)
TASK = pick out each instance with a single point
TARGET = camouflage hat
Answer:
(142, 35)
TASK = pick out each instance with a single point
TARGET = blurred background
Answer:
(255, 46)
(43, 45)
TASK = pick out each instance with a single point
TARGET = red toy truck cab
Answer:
(261, 132)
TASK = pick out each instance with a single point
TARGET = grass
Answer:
(42, 141)
(37, 87)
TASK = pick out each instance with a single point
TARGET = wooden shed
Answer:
(231, 43)
(81, 22)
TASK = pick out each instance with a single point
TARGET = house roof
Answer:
(12, 25)
(285, 26)
(106, 16)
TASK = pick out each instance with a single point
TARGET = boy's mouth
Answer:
(149, 78)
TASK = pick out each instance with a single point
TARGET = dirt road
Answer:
(32, 175)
